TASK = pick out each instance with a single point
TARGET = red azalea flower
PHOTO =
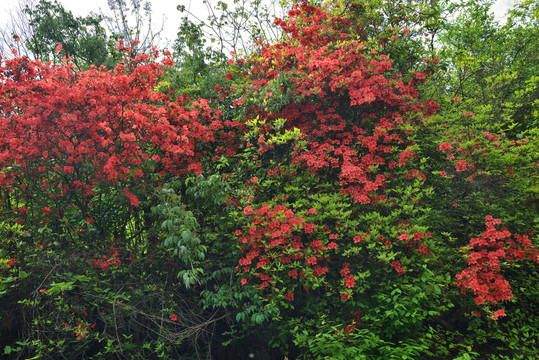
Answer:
(132, 198)
(498, 314)
(445, 146)
(358, 238)
(11, 262)
(289, 296)
(404, 237)
(349, 281)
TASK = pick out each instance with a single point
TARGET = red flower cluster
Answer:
(81, 331)
(275, 238)
(11, 262)
(324, 69)
(482, 276)
(64, 134)
(398, 267)
(106, 261)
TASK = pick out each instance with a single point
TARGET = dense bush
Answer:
(315, 205)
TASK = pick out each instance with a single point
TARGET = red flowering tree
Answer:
(343, 190)
(91, 145)
(333, 207)
(83, 155)
(315, 200)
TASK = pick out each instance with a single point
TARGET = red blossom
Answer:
(398, 267)
(497, 314)
(461, 165)
(405, 156)
(482, 276)
(132, 198)
(345, 269)
(445, 146)
(349, 281)
(358, 238)
(11, 262)
(404, 237)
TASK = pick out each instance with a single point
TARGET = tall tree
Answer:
(132, 21)
(16, 29)
(236, 25)
(37, 28)
(82, 38)
(490, 65)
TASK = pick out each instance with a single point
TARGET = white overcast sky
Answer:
(166, 9)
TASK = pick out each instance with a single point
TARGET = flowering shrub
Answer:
(71, 139)
(81, 156)
(348, 211)
(484, 254)
(314, 199)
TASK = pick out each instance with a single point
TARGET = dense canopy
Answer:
(362, 186)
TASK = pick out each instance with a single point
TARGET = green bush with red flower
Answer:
(315, 204)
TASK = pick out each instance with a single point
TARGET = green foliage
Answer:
(179, 227)
(198, 63)
(268, 247)
(491, 64)
(82, 39)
